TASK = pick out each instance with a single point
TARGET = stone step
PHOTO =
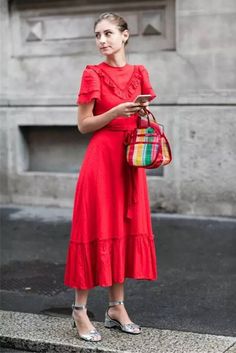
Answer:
(42, 333)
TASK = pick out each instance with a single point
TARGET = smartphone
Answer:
(142, 98)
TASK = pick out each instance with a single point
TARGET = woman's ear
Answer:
(125, 36)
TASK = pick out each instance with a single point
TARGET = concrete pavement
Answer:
(42, 333)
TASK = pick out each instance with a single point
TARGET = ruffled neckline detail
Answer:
(133, 83)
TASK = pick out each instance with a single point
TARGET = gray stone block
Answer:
(206, 32)
(47, 30)
(207, 166)
(4, 51)
(4, 156)
(210, 6)
(225, 71)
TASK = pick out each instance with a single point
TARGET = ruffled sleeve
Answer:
(146, 85)
(89, 87)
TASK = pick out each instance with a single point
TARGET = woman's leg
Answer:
(118, 312)
(83, 322)
(81, 296)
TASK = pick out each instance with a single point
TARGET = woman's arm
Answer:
(87, 122)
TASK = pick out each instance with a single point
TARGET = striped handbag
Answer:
(147, 145)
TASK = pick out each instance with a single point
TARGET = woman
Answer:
(111, 234)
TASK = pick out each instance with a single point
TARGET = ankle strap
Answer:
(116, 302)
(79, 306)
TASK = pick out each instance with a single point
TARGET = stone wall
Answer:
(189, 49)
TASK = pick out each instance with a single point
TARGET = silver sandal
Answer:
(93, 335)
(128, 328)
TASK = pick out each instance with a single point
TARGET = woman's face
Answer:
(109, 38)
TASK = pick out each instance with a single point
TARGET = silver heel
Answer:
(93, 335)
(109, 323)
(112, 323)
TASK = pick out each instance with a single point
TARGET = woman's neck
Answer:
(116, 60)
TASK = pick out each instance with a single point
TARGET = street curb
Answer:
(42, 333)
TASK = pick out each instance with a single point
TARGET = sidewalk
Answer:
(42, 333)
(194, 293)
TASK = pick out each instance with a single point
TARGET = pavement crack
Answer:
(231, 346)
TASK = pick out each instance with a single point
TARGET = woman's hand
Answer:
(142, 111)
(127, 109)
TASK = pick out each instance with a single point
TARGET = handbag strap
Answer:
(148, 112)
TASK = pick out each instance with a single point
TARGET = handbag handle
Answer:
(148, 112)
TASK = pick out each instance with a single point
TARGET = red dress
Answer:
(111, 233)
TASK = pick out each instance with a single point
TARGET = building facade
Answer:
(189, 49)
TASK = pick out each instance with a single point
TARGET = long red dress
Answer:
(111, 233)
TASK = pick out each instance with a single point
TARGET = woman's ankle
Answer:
(80, 313)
